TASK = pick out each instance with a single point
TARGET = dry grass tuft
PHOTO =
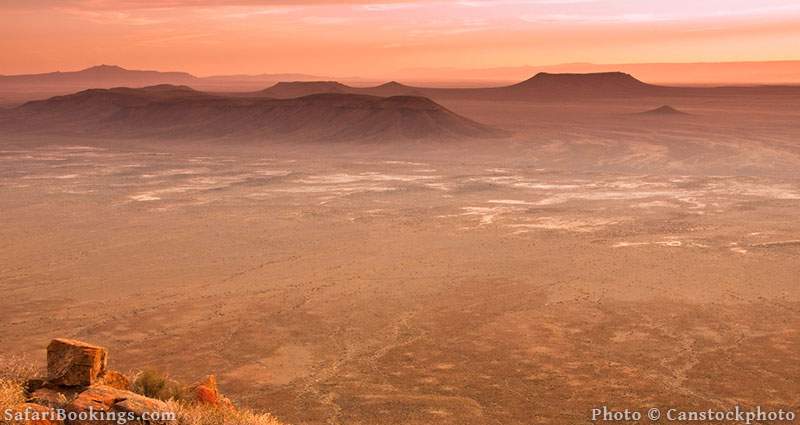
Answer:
(18, 369)
(155, 384)
(12, 394)
(14, 371)
(158, 385)
(200, 414)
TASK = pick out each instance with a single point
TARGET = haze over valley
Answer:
(349, 258)
(348, 212)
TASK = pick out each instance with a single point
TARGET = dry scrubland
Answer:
(15, 373)
(597, 257)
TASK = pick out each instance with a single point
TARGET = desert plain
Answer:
(596, 256)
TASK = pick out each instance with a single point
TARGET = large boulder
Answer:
(74, 363)
(116, 402)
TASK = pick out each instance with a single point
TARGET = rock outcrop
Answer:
(79, 387)
(101, 398)
(114, 379)
(207, 392)
(74, 363)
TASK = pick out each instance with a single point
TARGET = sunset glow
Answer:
(388, 38)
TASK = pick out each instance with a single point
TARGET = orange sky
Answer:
(382, 39)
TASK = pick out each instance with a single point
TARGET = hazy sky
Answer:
(366, 38)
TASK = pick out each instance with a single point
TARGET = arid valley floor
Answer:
(597, 257)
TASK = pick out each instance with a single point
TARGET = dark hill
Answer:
(287, 90)
(663, 110)
(179, 112)
(599, 84)
(392, 88)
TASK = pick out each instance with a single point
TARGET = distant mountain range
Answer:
(16, 89)
(548, 81)
(175, 112)
(108, 76)
(20, 88)
(314, 110)
(541, 87)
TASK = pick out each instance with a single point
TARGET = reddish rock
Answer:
(207, 391)
(102, 398)
(50, 397)
(141, 405)
(74, 363)
(97, 398)
(114, 379)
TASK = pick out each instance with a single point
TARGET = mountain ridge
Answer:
(541, 87)
(544, 86)
(177, 112)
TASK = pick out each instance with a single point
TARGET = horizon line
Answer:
(415, 69)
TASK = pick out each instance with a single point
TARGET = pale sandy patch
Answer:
(487, 215)
(344, 178)
(655, 204)
(339, 190)
(568, 224)
(175, 172)
(509, 202)
(144, 197)
(628, 244)
(417, 164)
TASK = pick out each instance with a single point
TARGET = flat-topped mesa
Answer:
(598, 81)
(290, 89)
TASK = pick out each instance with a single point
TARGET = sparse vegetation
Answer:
(155, 384)
(12, 394)
(199, 414)
(15, 371)
(18, 369)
